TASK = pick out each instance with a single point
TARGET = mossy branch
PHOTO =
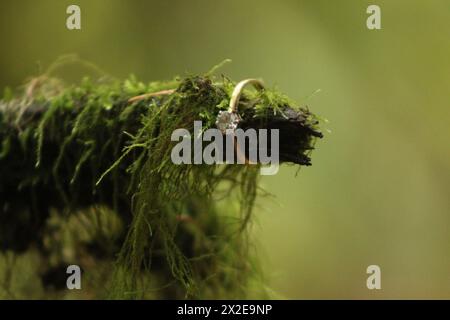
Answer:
(109, 144)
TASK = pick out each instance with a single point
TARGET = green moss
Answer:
(87, 145)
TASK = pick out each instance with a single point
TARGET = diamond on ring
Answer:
(227, 120)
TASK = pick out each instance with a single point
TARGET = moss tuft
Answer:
(86, 146)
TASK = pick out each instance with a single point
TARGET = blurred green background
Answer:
(378, 190)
